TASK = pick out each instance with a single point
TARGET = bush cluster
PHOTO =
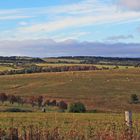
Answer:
(77, 107)
(38, 69)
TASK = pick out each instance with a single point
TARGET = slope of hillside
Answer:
(105, 90)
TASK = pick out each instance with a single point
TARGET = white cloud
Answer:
(23, 23)
(131, 4)
(70, 36)
(13, 17)
(75, 8)
(138, 29)
(86, 13)
(80, 21)
(14, 14)
(57, 18)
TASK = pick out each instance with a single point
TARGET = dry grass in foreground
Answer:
(67, 126)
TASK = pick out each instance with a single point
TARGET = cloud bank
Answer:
(49, 48)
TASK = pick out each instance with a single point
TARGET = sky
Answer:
(44, 28)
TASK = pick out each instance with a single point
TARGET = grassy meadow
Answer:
(4, 68)
(105, 90)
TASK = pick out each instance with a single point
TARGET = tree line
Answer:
(101, 60)
(20, 59)
(39, 101)
(39, 69)
(42, 102)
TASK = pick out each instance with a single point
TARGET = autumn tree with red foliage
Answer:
(39, 100)
(3, 97)
(12, 99)
(32, 101)
(62, 105)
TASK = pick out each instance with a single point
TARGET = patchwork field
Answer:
(106, 90)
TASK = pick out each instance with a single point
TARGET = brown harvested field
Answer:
(103, 90)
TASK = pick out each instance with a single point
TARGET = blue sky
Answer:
(102, 21)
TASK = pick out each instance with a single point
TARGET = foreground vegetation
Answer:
(66, 126)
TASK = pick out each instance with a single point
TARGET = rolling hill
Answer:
(107, 90)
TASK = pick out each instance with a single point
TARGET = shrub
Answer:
(39, 100)
(3, 97)
(77, 107)
(16, 110)
(53, 103)
(134, 98)
(32, 100)
(12, 99)
(62, 105)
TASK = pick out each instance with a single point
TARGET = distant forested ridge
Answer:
(98, 60)
(20, 59)
(73, 59)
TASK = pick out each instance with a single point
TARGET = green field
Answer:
(107, 90)
(4, 68)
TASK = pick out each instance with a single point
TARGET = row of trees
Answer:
(41, 102)
(11, 98)
(20, 59)
(38, 69)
